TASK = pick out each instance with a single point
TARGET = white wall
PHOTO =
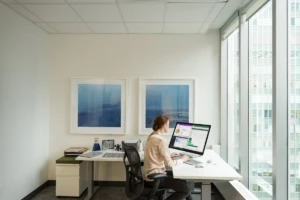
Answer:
(131, 57)
(24, 106)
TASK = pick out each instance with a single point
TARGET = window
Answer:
(233, 99)
(260, 103)
(294, 99)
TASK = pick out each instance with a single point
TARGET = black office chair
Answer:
(135, 187)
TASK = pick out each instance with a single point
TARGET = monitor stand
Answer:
(191, 155)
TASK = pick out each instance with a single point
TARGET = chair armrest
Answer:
(157, 176)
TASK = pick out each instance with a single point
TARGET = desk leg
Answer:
(90, 180)
(206, 191)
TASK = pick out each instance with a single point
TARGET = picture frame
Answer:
(172, 97)
(111, 143)
(98, 106)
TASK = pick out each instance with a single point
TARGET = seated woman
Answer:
(157, 157)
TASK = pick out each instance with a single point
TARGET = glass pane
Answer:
(294, 98)
(260, 103)
(233, 99)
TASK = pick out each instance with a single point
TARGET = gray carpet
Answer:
(103, 193)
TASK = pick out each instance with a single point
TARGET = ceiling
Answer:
(125, 16)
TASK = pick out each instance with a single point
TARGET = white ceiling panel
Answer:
(143, 12)
(204, 27)
(8, 1)
(182, 27)
(46, 27)
(91, 1)
(126, 16)
(196, 1)
(99, 13)
(108, 27)
(41, 1)
(188, 12)
(227, 11)
(215, 11)
(144, 27)
(24, 12)
(54, 13)
(70, 27)
(139, 1)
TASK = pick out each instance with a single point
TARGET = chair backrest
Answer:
(134, 176)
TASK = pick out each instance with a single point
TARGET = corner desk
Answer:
(215, 171)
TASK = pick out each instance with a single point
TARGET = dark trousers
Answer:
(181, 188)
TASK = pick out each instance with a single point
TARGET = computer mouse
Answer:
(199, 166)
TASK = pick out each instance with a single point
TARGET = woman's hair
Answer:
(158, 123)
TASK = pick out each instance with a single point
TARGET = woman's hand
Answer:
(185, 158)
(174, 154)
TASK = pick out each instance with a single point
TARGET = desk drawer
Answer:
(67, 170)
(68, 186)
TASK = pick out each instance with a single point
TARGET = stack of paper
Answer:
(75, 151)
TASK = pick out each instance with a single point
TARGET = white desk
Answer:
(99, 158)
(216, 171)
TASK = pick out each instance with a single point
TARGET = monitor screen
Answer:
(190, 137)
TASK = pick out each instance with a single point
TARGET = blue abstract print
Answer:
(171, 100)
(99, 105)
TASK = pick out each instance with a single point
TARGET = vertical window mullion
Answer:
(280, 100)
(244, 100)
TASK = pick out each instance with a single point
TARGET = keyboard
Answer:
(192, 162)
(113, 155)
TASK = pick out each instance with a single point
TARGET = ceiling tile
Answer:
(144, 27)
(140, 1)
(54, 13)
(137, 12)
(8, 1)
(46, 27)
(24, 12)
(196, 1)
(41, 1)
(107, 27)
(215, 11)
(182, 27)
(205, 26)
(187, 12)
(99, 13)
(91, 1)
(70, 27)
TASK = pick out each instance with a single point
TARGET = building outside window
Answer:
(260, 103)
(233, 99)
(294, 98)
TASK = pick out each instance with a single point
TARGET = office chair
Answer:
(135, 188)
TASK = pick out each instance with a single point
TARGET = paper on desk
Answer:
(91, 154)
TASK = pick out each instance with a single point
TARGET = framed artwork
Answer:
(108, 144)
(171, 97)
(98, 106)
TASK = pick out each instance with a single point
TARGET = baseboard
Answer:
(96, 183)
(51, 182)
(36, 191)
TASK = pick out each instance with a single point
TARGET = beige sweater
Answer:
(156, 156)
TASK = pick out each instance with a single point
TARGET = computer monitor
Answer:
(190, 137)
